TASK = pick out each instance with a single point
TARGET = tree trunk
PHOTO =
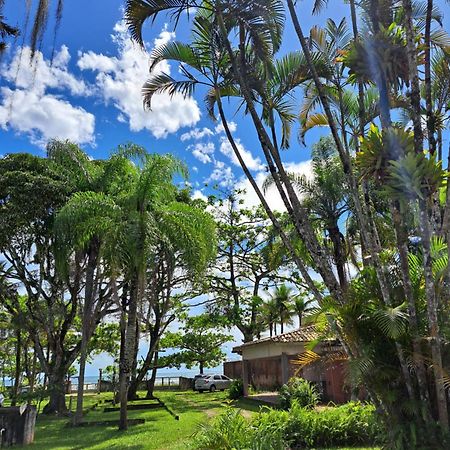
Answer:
(132, 394)
(128, 353)
(154, 337)
(57, 390)
(339, 254)
(18, 367)
(433, 326)
(87, 328)
(151, 382)
(201, 367)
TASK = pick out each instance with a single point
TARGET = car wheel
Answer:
(212, 388)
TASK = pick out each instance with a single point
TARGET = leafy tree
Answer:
(198, 343)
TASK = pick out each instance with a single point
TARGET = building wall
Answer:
(266, 374)
(271, 349)
(232, 369)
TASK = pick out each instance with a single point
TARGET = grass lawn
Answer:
(159, 432)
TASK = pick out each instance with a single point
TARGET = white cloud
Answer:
(199, 194)
(41, 74)
(196, 134)
(28, 108)
(119, 81)
(220, 129)
(272, 196)
(251, 162)
(203, 152)
(222, 175)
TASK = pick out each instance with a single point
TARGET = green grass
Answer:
(159, 432)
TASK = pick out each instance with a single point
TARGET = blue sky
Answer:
(90, 94)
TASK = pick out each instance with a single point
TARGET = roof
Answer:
(303, 334)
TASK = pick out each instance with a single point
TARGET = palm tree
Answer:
(269, 315)
(137, 211)
(283, 300)
(325, 196)
(6, 31)
(302, 304)
(87, 225)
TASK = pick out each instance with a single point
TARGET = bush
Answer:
(226, 432)
(346, 425)
(230, 431)
(236, 389)
(300, 390)
(352, 424)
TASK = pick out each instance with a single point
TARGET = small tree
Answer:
(197, 343)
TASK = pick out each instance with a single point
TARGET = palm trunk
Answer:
(339, 256)
(18, 367)
(287, 192)
(86, 331)
(402, 246)
(428, 96)
(128, 354)
(433, 325)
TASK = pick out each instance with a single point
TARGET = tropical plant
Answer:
(298, 391)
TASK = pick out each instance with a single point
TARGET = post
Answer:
(284, 368)
(100, 371)
(245, 377)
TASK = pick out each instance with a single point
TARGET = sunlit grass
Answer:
(159, 432)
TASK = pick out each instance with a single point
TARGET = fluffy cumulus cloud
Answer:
(251, 162)
(221, 175)
(119, 81)
(203, 151)
(33, 105)
(272, 196)
(196, 134)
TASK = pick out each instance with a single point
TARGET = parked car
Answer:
(212, 383)
(196, 377)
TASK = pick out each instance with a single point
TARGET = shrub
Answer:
(300, 390)
(228, 431)
(236, 389)
(346, 425)
(352, 424)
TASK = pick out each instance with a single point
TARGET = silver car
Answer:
(212, 383)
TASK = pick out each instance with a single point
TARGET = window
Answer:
(217, 377)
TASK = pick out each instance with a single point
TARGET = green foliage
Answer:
(197, 343)
(351, 424)
(231, 431)
(236, 389)
(299, 391)
(346, 425)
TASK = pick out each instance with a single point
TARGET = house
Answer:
(268, 363)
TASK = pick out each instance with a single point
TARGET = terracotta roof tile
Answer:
(303, 334)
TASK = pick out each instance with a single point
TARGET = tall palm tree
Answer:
(283, 300)
(131, 221)
(269, 315)
(302, 304)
